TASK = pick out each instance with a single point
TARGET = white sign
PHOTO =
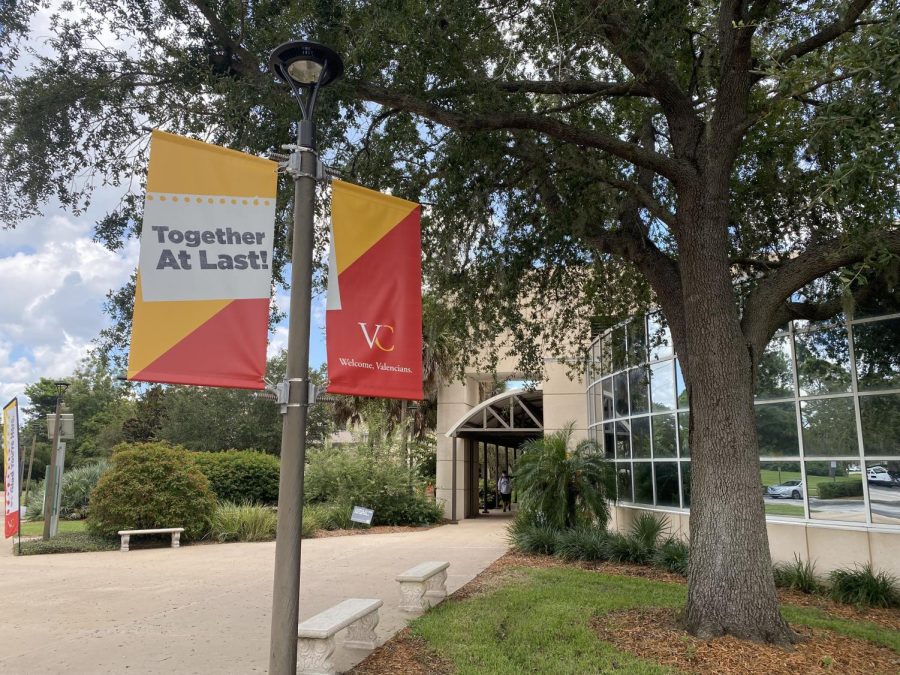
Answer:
(202, 247)
(362, 515)
(11, 468)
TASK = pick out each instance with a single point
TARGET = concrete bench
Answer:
(315, 636)
(174, 531)
(423, 586)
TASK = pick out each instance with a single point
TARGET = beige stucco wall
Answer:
(828, 546)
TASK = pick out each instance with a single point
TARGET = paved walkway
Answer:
(206, 608)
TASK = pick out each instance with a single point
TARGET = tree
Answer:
(713, 157)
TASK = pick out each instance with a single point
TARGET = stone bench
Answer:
(423, 586)
(315, 636)
(174, 531)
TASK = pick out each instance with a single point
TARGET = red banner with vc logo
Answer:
(374, 309)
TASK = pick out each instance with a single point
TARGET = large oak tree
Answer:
(716, 158)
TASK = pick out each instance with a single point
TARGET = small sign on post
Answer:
(362, 515)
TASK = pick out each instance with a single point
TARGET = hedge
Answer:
(843, 488)
(240, 475)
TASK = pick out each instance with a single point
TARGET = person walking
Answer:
(504, 489)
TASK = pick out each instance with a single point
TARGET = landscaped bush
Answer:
(356, 477)
(76, 488)
(625, 548)
(327, 516)
(529, 537)
(151, 485)
(34, 504)
(69, 542)
(673, 555)
(843, 488)
(240, 476)
(243, 522)
(861, 585)
(797, 575)
(582, 543)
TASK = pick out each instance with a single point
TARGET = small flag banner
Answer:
(201, 305)
(373, 323)
(11, 468)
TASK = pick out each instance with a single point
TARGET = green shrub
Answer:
(34, 504)
(76, 488)
(528, 537)
(151, 485)
(312, 520)
(243, 522)
(240, 476)
(798, 575)
(861, 585)
(672, 555)
(329, 516)
(621, 548)
(582, 543)
(69, 542)
(647, 529)
(841, 488)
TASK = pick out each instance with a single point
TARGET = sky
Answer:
(53, 283)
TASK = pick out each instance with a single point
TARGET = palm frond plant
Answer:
(560, 488)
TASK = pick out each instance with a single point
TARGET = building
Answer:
(828, 418)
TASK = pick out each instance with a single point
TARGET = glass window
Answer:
(609, 441)
(607, 394)
(606, 354)
(782, 485)
(823, 361)
(643, 482)
(664, 436)
(775, 376)
(680, 388)
(884, 491)
(640, 437)
(666, 483)
(621, 394)
(877, 349)
(619, 349)
(684, 422)
(623, 481)
(835, 491)
(659, 337)
(662, 386)
(880, 416)
(686, 484)
(596, 403)
(637, 342)
(776, 429)
(829, 427)
(623, 440)
(637, 384)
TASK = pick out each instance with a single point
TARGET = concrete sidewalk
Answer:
(206, 608)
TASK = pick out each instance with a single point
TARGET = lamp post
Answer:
(50, 488)
(305, 67)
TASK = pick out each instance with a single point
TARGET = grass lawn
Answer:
(36, 528)
(770, 477)
(787, 509)
(537, 621)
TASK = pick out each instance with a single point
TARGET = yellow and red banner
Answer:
(11, 477)
(201, 304)
(374, 306)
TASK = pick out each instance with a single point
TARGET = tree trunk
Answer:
(731, 590)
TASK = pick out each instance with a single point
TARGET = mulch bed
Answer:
(377, 529)
(655, 635)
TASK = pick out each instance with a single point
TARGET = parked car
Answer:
(878, 475)
(789, 489)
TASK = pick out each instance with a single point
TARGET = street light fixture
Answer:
(305, 67)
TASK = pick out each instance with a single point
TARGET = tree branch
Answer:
(247, 63)
(827, 33)
(764, 307)
(674, 170)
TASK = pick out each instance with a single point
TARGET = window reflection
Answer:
(623, 481)
(606, 355)
(608, 401)
(835, 491)
(782, 485)
(883, 479)
(640, 437)
(666, 483)
(662, 386)
(823, 361)
(829, 427)
(621, 394)
(680, 387)
(609, 441)
(664, 436)
(776, 429)
(775, 376)
(659, 337)
(877, 349)
(637, 384)
(683, 430)
(637, 342)
(623, 440)
(643, 482)
(686, 484)
(618, 348)
(880, 416)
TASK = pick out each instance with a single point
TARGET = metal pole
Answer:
(50, 486)
(30, 463)
(486, 510)
(286, 590)
(453, 518)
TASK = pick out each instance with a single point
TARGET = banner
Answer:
(11, 468)
(373, 314)
(201, 305)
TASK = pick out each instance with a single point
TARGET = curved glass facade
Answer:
(827, 415)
